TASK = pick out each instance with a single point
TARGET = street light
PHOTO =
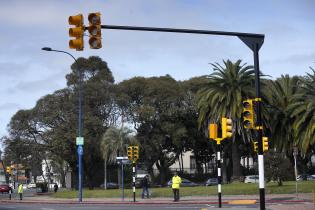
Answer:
(79, 139)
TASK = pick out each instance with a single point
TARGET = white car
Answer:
(251, 179)
(31, 185)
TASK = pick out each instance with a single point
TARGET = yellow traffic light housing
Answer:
(8, 170)
(135, 153)
(77, 32)
(213, 131)
(255, 146)
(227, 125)
(265, 144)
(95, 31)
(248, 114)
(129, 153)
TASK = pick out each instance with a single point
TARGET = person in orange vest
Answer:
(20, 191)
(176, 181)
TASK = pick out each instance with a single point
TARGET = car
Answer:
(251, 179)
(5, 188)
(185, 183)
(305, 177)
(211, 181)
(110, 185)
(31, 185)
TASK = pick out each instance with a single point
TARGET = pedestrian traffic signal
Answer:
(227, 125)
(135, 153)
(77, 32)
(265, 144)
(213, 131)
(255, 146)
(248, 114)
(129, 153)
(8, 170)
(95, 31)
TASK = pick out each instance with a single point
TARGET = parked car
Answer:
(110, 185)
(5, 188)
(185, 183)
(31, 185)
(211, 181)
(251, 179)
(305, 177)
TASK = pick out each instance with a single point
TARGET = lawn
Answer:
(227, 189)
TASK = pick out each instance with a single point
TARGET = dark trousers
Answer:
(21, 196)
(176, 194)
(145, 190)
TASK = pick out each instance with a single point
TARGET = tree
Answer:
(114, 143)
(303, 111)
(155, 106)
(228, 86)
(281, 93)
(277, 167)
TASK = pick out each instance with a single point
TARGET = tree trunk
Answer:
(237, 173)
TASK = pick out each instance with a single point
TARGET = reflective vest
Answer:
(20, 189)
(176, 181)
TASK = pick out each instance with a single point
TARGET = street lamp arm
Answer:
(49, 49)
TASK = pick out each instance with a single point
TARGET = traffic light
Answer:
(95, 31)
(227, 126)
(77, 32)
(265, 144)
(248, 114)
(129, 153)
(255, 146)
(135, 153)
(213, 131)
(8, 170)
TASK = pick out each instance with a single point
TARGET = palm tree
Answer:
(281, 93)
(303, 110)
(228, 86)
(114, 143)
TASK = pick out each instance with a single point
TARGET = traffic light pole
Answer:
(259, 129)
(134, 180)
(254, 42)
(219, 172)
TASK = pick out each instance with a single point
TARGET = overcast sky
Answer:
(27, 73)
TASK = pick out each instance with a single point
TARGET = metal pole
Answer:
(134, 181)
(295, 172)
(122, 180)
(80, 154)
(259, 126)
(219, 173)
(80, 147)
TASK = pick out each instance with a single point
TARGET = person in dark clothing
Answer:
(56, 187)
(145, 186)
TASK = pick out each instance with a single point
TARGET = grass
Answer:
(227, 189)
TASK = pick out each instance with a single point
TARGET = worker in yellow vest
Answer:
(176, 181)
(20, 191)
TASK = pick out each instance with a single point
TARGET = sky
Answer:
(27, 73)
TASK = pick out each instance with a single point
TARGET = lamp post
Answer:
(79, 139)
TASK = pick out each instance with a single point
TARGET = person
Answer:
(20, 191)
(55, 187)
(176, 181)
(145, 186)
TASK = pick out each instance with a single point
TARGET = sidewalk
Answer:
(226, 199)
